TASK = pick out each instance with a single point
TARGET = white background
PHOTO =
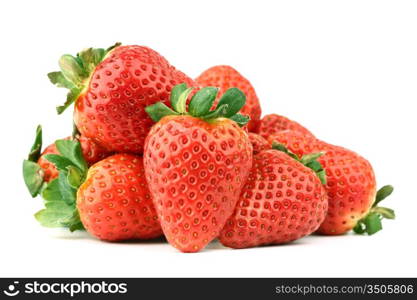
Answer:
(345, 69)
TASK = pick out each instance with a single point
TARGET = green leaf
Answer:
(90, 58)
(68, 193)
(219, 112)
(308, 158)
(33, 177)
(385, 212)
(282, 148)
(59, 211)
(175, 95)
(359, 228)
(52, 192)
(72, 69)
(202, 101)
(372, 223)
(117, 44)
(74, 177)
(59, 80)
(181, 104)
(71, 97)
(241, 120)
(159, 110)
(35, 151)
(71, 150)
(383, 193)
(60, 162)
(235, 99)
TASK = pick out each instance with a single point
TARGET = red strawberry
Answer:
(273, 123)
(225, 77)
(351, 186)
(37, 170)
(114, 202)
(91, 151)
(258, 143)
(111, 89)
(282, 201)
(111, 199)
(196, 164)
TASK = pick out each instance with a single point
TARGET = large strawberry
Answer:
(196, 163)
(111, 89)
(273, 123)
(351, 186)
(226, 77)
(38, 170)
(282, 201)
(111, 200)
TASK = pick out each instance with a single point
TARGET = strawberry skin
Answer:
(195, 171)
(351, 184)
(258, 143)
(92, 153)
(273, 123)
(225, 77)
(282, 201)
(114, 202)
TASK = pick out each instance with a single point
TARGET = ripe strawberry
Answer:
(273, 123)
(282, 201)
(351, 186)
(225, 77)
(258, 143)
(91, 151)
(111, 89)
(196, 164)
(114, 202)
(111, 199)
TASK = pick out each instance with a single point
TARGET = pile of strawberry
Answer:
(154, 152)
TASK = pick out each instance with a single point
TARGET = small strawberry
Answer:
(273, 123)
(351, 186)
(111, 200)
(37, 170)
(225, 77)
(258, 143)
(111, 89)
(282, 201)
(196, 163)
(92, 153)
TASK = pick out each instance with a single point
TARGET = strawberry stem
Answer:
(372, 222)
(308, 160)
(75, 72)
(200, 104)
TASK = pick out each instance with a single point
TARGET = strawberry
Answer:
(225, 77)
(273, 123)
(351, 186)
(258, 143)
(111, 89)
(196, 163)
(37, 170)
(282, 201)
(110, 200)
(114, 202)
(92, 153)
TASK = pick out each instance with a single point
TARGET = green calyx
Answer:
(200, 105)
(32, 172)
(308, 160)
(75, 72)
(372, 222)
(60, 195)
